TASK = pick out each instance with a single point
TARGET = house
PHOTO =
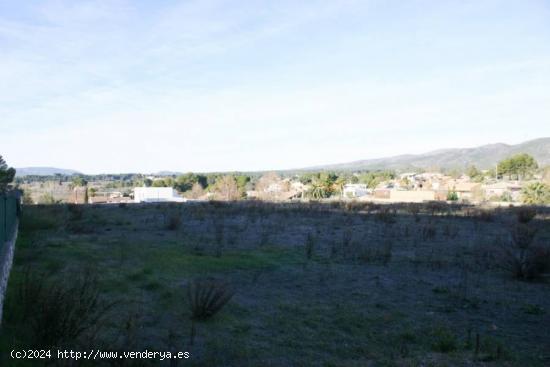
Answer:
(501, 189)
(381, 193)
(355, 190)
(465, 190)
(156, 195)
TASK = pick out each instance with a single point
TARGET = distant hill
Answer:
(44, 171)
(167, 173)
(483, 157)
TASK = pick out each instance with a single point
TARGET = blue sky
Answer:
(143, 86)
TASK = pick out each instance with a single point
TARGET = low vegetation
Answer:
(255, 284)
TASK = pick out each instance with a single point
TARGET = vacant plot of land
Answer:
(315, 285)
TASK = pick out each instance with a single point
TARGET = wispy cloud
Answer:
(250, 85)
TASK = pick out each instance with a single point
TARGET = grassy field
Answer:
(341, 284)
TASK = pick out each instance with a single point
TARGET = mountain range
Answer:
(44, 171)
(483, 157)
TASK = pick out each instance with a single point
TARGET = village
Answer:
(515, 180)
(404, 187)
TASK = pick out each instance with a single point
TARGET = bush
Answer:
(525, 214)
(444, 341)
(173, 222)
(428, 231)
(206, 298)
(414, 210)
(484, 215)
(521, 258)
(62, 311)
(452, 196)
(385, 215)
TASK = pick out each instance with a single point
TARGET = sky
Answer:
(144, 86)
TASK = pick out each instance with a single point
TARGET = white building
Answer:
(156, 194)
(355, 190)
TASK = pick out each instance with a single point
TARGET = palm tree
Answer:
(317, 191)
(536, 193)
(339, 185)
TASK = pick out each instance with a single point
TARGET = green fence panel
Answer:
(8, 216)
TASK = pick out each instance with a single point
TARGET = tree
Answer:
(318, 191)
(7, 174)
(323, 186)
(27, 198)
(474, 174)
(159, 183)
(536, 193)
(78, 181)
(454, 173)
(227, 188)
(266, 181)
(339, 185)
(92, 192)
(372, 179)
(519, 165)
(187, 181)
(196, 191)
(242, 182)
(268, 186)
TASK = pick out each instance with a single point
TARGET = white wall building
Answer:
(355, 190)
(156, 195)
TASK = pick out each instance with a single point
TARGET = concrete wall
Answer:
(412, 196)
(6, 259)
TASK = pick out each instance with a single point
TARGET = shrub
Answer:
(414, 210)
(436, 207)
(521, 258)
(62, 311)
(452, 196)
(386, 215)
(206, 298)
(444, 341)
(173, 222)
(523, 235)
(484, 215)
(525, 214)
(428, 231)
